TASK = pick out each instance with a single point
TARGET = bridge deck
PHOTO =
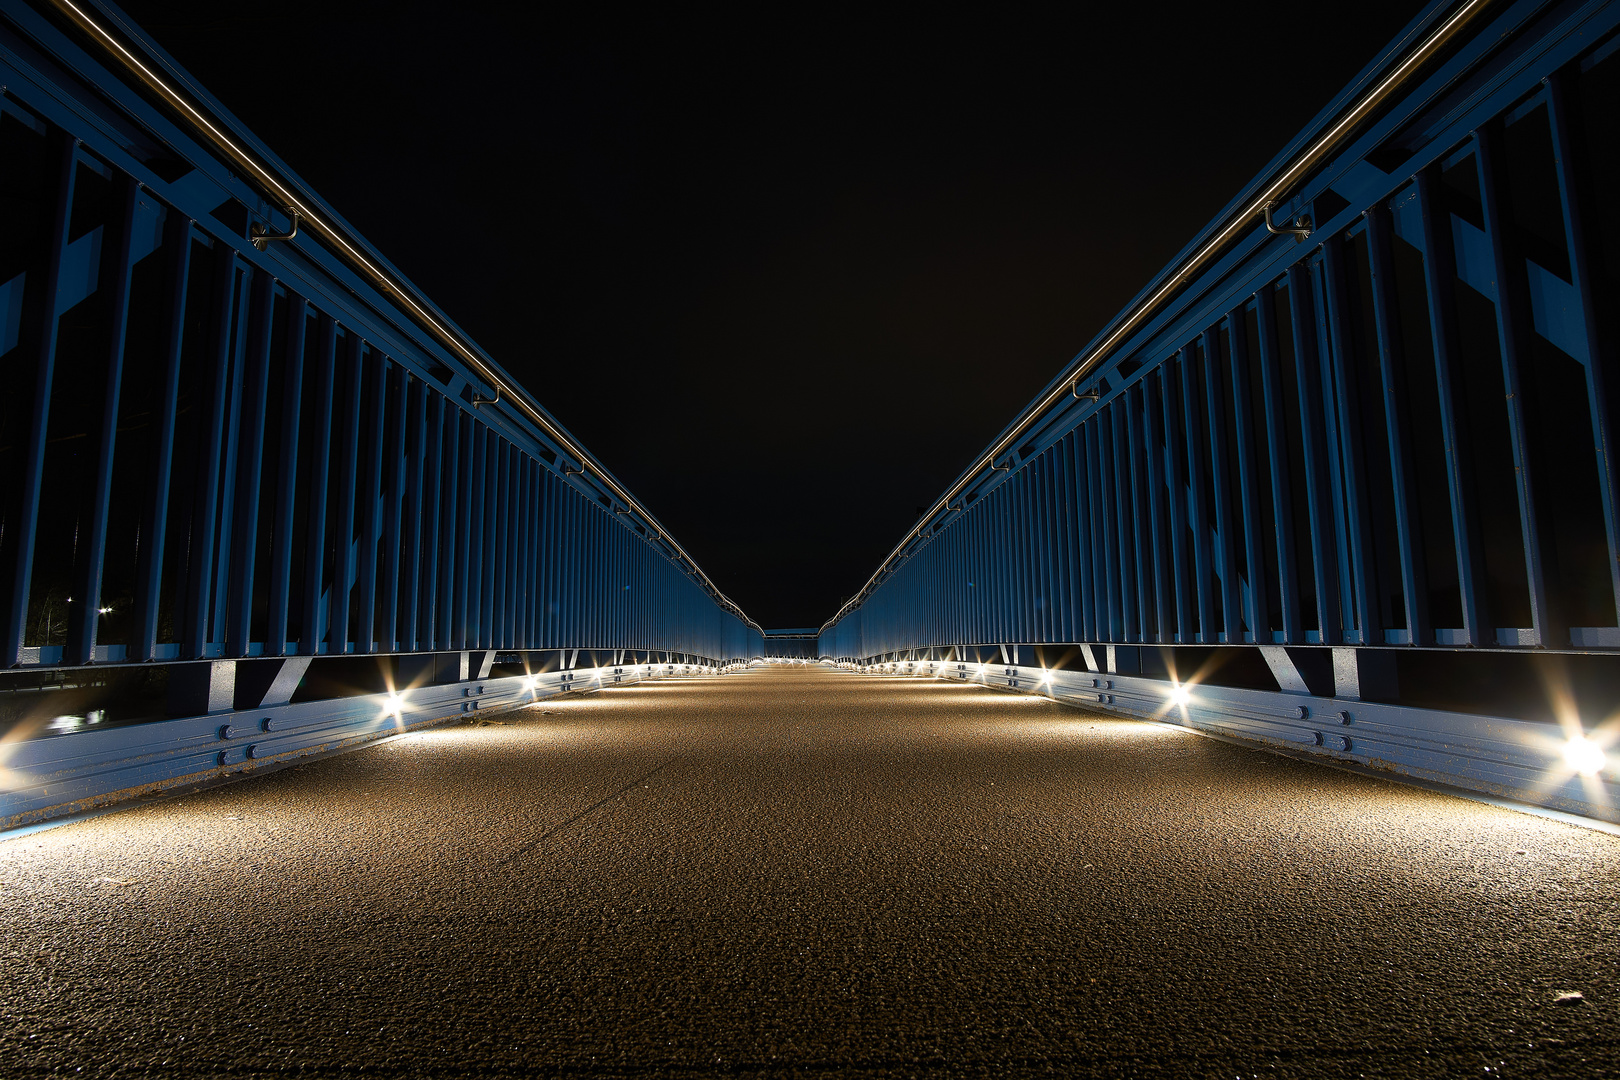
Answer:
(795, 869)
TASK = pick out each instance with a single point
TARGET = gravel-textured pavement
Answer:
(802, 872)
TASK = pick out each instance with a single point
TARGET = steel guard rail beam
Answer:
(1217, 239)
(290, 195)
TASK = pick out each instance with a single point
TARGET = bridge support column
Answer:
(265, 684)
(199, 689)
(1364, 673)
(1124, 659)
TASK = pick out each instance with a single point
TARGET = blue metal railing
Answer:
(1392, 438)
(224, 445)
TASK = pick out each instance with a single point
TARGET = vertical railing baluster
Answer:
(1124, 509)
(1175, 440)
(1402, 462)
(460, 635)
(250, 466)
(395, 482)
(227, 515)
(84, 616)
(281, 541)
(523, 533)
(1112, 548)
(369, 503)
(320, 479)
(1440, 274)
(33, 478)
(1085, 519)
(1345, 447)
(537, 560)
(1282, 495)
(1068, 515)
(1576, 197)
(477, 467)
(343, 568)
(1249, 494)
(204, 523)
(499, 569)
(489, 524)
(1057, 602)
(1513, 327)
(453, 524)
(1215, 389)
(1318, 486)
(1135, 402)
(154, 523)
(1198, 513)
(1153, 468)
(435, 473)
(415, 562)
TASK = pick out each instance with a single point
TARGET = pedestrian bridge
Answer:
(1048, 793)
(1338, 483)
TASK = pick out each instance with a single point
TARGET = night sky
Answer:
(784, 273)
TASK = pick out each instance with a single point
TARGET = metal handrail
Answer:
(1138, 313)
(349, 249)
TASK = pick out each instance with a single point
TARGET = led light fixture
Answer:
(1584, 756)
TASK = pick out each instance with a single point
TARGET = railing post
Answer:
(45, 320)
(84, 617)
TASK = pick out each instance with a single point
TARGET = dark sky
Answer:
(783, 274)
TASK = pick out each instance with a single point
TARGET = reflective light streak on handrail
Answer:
(378, 276)
(1139, 313)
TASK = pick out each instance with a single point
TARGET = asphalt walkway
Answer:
(802, 872)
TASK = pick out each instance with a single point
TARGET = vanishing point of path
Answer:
(802, 872)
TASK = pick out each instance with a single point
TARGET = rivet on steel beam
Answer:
(226, 731)
(261, 234)
(1301, 228)
(1344, 718)
(1316, 737)
(252, 751)
(1343, 742)
(1304, 712)
(267, 724)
